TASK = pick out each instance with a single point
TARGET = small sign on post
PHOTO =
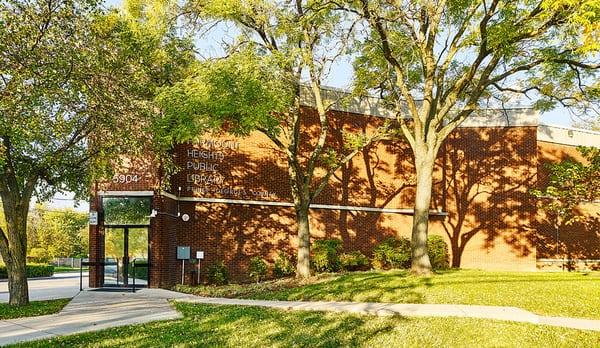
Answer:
(183, 253)
(199, 256)
(93, 218)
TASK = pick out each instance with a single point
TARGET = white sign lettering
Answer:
(125, 178)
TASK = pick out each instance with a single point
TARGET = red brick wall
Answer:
(482, 180)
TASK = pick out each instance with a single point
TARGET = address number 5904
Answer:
(125, 178)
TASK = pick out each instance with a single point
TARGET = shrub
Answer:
(354, 261)
(218, 274)
(326, 255)
(392, 253)
(33, 270)
(258, 268)
(438, 252)
(283, 267)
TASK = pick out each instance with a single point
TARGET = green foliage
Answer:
(258, 268)
(57, 233)
(438, 252)
(218, 273)
(392, 253)
(41, 255)
(396, 253)
(33, 271)
(77, 84)
(87, 75)
(244, 92)
(580, 15)
(326, 255)
(354, 261)
(571, 183)
(283, 266)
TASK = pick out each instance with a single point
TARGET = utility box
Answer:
(183, 253)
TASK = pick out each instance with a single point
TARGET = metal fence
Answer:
(66, 262)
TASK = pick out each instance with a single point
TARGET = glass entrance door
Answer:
(124, 246)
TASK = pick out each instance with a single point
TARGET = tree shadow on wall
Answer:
(579, 240)
(488, 176)
(380, 176)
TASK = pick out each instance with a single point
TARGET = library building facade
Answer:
(230, 200)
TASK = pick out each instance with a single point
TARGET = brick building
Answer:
(231, 200)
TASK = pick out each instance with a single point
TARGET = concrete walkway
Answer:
(411, 310)
(92, 311)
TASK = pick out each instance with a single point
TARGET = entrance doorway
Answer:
(126, 256)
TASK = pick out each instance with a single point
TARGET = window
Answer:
(127, 210)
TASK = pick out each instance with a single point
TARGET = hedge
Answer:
(33, 270)
(326, 255)
(395, 253)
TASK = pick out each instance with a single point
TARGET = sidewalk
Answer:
(412, 310)
(92, 311)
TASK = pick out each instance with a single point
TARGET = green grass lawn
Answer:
(68, 269)
(557, 294)
(233, 326)
(33, 309)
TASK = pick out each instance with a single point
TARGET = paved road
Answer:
(61, 285)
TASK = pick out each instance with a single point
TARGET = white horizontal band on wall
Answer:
(287, 204)
(127, 193)
(567, 260)
(568, 135)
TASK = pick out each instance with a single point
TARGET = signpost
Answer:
(183, 253)
(199, 256)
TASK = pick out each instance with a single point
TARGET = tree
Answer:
(570, 184)
(438, 62)
(76, 86)
(56, 233)
(259, 86)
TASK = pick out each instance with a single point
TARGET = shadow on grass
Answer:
(227, 326)
(315, 329)
(399, 286)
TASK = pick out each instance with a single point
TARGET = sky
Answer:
(340, 77)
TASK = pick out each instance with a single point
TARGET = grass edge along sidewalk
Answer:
(543, 293)
(33, 309)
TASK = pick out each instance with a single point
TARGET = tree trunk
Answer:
(303, 265)
(420, 263)
(14, 248)
(456, 256)
(17, 281)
